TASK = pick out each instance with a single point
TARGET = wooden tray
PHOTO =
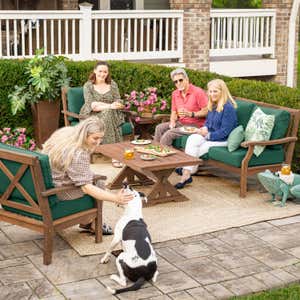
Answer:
(154, 152)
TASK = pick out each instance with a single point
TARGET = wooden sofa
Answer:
(72, 101)
(28, 197)
(279, 148)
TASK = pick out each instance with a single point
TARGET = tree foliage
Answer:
(237, 3)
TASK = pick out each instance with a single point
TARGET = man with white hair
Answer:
(188, 108)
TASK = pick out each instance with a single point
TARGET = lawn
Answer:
(291, 292)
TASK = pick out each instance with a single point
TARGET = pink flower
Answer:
(133, 94)
(32, 147)
(4, 138)
(140, 108)
(137, 119)
(154, 110)
(127, 106)
(7, 129)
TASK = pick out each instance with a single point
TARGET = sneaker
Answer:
(181, 185)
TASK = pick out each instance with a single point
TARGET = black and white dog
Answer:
(138, 261)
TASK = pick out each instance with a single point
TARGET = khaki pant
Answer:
(165, 135)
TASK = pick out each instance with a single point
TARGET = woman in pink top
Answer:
(188, 108)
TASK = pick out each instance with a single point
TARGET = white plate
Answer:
(148, 157)
(141, 142)
(188, 129)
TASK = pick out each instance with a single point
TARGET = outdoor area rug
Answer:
(214, 205)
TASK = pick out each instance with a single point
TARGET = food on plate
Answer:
(189, 129)
(148, 156)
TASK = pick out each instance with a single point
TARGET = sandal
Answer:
(116, 164)
(106, 229)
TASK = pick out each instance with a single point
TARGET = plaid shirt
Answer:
(78, 174)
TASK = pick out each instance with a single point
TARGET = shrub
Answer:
(133, 76)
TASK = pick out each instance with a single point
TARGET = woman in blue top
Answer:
(220, 121)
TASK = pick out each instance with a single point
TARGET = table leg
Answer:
(163, 191)
(132, 177)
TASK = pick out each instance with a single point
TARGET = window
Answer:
(121, 4)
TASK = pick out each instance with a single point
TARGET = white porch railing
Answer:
(87, 34)
(242, 32)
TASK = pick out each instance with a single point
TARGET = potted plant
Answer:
(46, 76)
(145, 103)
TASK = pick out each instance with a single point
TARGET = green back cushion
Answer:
(282, 120)
(268, 157)
(75, 100)
(244, 112)
(26, 180)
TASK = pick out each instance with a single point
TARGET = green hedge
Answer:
(132, 76)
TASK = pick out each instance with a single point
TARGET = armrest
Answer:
(56, 190)
(99, 177)
(270, 142)
(74, 115)
(159, 117)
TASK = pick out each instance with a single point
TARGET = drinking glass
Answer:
(285, 169)
(128, 153)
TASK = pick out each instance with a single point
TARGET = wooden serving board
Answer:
(154, 152)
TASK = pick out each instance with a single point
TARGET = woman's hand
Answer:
(116, 105)
(123, 197)
(172, 124)
(203, 131)
(96, 106)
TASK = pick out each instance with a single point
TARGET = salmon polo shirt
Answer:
(195, 100)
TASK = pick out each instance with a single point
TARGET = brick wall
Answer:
(196, 32)
(283, 12)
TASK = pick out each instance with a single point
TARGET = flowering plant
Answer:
(146, 101)
(17, 137)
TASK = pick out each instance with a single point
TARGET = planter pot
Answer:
(147, 113)
(45, 119)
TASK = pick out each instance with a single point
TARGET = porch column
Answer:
(196, 32)
(283, 15)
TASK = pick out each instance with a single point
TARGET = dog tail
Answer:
(137, 285)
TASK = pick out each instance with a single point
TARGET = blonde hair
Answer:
(225, 95)
(64, 142)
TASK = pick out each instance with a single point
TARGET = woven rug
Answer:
(214, 205)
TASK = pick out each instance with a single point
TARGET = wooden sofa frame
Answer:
(289, 142)
(46, 226)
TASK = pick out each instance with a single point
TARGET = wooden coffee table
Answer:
(156, 172)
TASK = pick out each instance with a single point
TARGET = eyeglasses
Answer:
(179, 80)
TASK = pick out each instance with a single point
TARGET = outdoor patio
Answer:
(215, 265)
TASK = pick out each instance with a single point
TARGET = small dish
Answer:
(148, 157)
(188, 129)
(141, 142)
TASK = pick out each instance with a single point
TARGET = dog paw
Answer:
(115, 278)
(104, 260)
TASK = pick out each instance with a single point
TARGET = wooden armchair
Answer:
(72, 101)
(29, 199)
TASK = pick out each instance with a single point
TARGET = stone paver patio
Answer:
(217, 265)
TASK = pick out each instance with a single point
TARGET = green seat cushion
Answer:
(268, 157)
(75, 100)
(61, 208)
(244, 111)
(126, 128)
(26, 180)
(180, 142)
(281, 124)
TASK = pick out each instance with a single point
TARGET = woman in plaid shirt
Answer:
(69, 150)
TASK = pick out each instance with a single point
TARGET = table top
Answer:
(116, 151)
